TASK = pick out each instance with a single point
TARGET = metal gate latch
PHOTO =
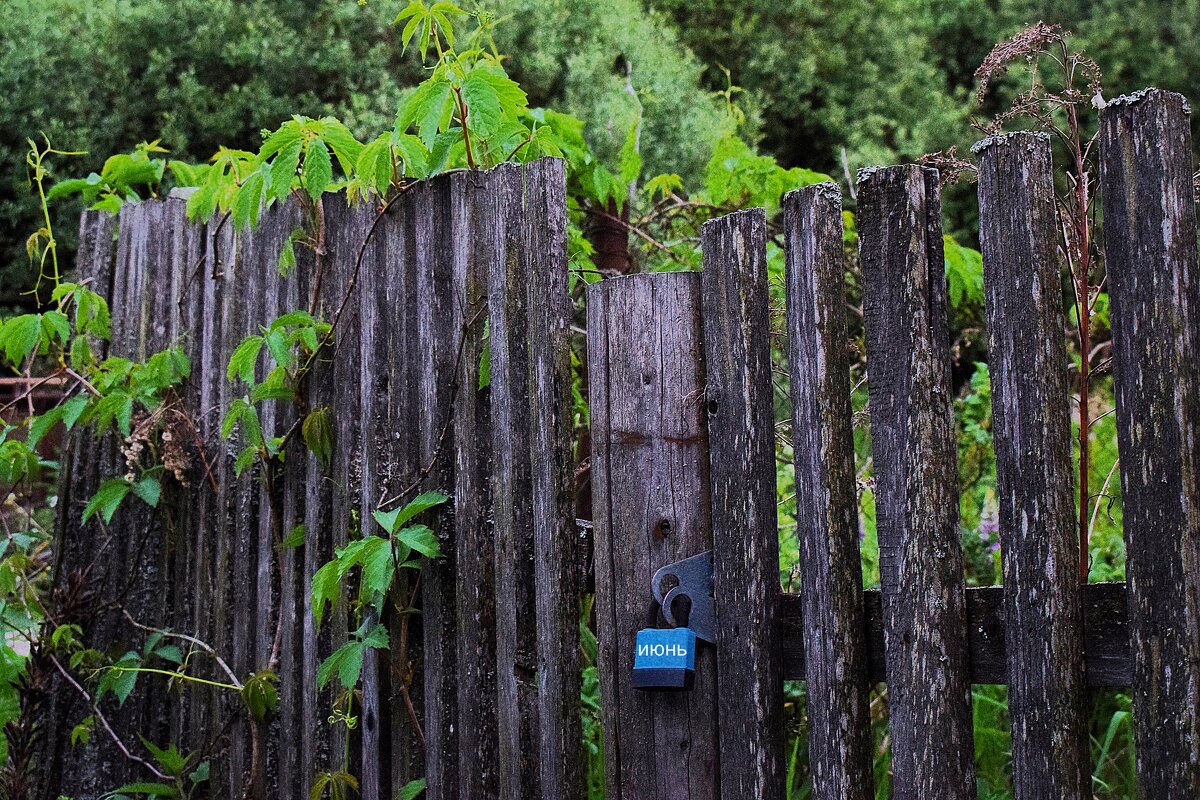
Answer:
(691, 578)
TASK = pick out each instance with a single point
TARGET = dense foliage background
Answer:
(883, 80)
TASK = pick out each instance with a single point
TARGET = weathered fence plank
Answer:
(542, 234)
(1032, 435)
(839, 742)
(741, 424)
(291, 772)
(1154, 291)
(912, 433)
(388, 281)
(650, 500)
(475, 589)
(516, 596)
(537, 594)
(434, 355)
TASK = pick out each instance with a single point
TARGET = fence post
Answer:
(650, 504)
(916, 484)
(1030, 406)
(741, 424)
(1154, 291)
(835, 645)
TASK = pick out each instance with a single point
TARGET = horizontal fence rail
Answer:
(1107, 657)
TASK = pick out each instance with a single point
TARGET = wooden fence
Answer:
(683, 461)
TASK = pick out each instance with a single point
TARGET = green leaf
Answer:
(20, 336)
(483, 104)
(188, 174)
(318, 169)
(287, 258)
(55, 325)
(65, 188)
(377, 638)
(485, 365)
(374, 165)
(244, 359)
(629, 165)
(120, 679)
(387, 519)
(422, 502)
(378, 570)
(248, 201)
(326, 589)
(510, 94)
(444, 144)
(286, 136)
(149, 489)
(421, 539)
(411, 790)
(82, 733)
(663, 185)
(280, 351)
(296, 537)
(170, 652)
(73, 409)
(291, 319)
(345, 147)
(203, 202)
(273, 388)
(245, 459)
(200, 773)
(260, 695)
(169, 758)
(236, 409)
(283, 170)
(106, 499)
(318, 433)
(117, 407)
(432, 112)
(42, 424)
(413, 154)
(346, 663)
(964, 273)
(152, 789)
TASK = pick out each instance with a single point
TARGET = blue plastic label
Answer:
(671, 648)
